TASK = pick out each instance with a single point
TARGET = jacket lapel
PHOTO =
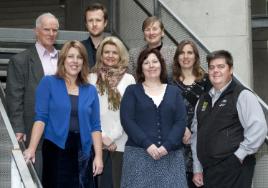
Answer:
(36, 65)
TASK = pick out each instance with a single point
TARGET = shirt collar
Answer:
(42, 51)
(213, 91)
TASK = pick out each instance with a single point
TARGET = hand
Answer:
(153, 152)
(198, 179)
(97, 166)
(29, 155)
(162, 150)
(20, 137)
(112, 147)
(106, 141)
(187, 136)
(240, 160)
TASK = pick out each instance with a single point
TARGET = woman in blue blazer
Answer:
(67, 112)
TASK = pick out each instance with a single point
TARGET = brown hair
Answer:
(198, 72)
(96, 6)
(150, 20)
(221, 54)
(82, 77)
(144, 55)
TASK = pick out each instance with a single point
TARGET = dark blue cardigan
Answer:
(147, 124)
(53, 107)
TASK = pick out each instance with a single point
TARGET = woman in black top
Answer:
(193, 82)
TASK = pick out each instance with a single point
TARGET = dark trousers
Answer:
(67, 167)
(230, 173)
(111, 176)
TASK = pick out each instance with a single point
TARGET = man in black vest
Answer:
(228, 128)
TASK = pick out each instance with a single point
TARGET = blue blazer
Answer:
(53, 107)
(147, 124)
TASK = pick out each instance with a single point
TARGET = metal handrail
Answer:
(27, 172)
(31, 168)
(23, 170)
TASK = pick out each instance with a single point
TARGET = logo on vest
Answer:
(223, 103)
(204, 106)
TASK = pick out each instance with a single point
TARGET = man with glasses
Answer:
(25, 70)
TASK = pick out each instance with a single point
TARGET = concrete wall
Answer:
(221, 24)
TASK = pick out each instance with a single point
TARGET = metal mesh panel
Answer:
(130, 31)
(260, 179)
(5, 156)
(261, 170)
(148, 5)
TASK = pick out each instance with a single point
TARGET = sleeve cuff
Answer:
(146, 143)
(167, 146)
(241, 154)
(197, 168)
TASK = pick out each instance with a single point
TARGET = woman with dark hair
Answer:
(193, 82)
(67, 112)
(154, 117)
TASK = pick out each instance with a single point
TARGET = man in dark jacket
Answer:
(228, 129)
(25, 70)
(96, 19)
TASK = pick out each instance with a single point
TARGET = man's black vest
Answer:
(219, 129)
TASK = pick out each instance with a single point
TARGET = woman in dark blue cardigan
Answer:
(154, 117)
(67, 112)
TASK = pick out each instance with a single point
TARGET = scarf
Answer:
(107, 81)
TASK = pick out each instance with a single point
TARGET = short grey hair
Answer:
(38, 21)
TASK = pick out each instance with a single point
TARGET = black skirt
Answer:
(69, 167)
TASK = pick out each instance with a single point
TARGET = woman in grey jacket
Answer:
(153, 31)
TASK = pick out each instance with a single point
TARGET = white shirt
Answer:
(158, 99)
(48, 59)
(110, 120)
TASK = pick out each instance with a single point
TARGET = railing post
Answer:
(156, 8)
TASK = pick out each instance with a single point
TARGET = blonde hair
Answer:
(122, 51)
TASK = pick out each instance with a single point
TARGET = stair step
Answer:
(11, 50)
(59, 12)
(48, 8)
(4, 61)
(22, 21)
(26, 3)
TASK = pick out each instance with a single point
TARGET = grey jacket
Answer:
(24, 73)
